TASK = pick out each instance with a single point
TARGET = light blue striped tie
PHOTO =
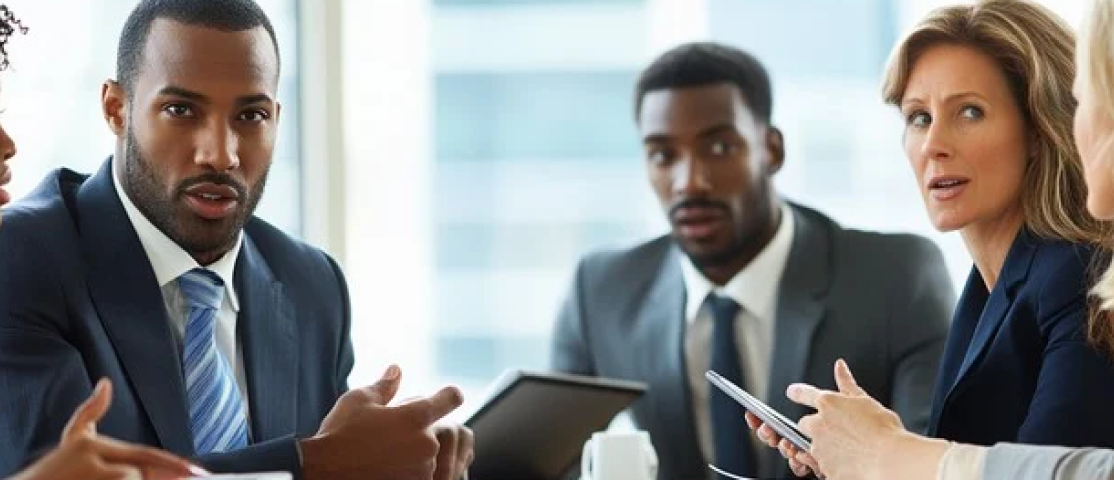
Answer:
(216, 412)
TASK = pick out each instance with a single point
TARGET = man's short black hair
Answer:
(707, 63)
(226, 15)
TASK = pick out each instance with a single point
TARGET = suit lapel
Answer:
(662, 317)
(1014, 271)
(800, 307)
(129, 302)
(266, 331)
(800, 310)
(966, 318)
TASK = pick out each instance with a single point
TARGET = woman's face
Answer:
(1093, 131)
(965, 137)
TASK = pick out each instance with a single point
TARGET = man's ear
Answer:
(114, 106)
(775, 149)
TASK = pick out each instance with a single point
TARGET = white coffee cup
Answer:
(619, 456)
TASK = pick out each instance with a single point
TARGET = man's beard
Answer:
(197, 236)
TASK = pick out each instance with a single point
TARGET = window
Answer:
(498, 147)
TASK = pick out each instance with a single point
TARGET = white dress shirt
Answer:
(169, 262)
(755, 289)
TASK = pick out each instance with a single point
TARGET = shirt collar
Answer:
(755, 287)
(169, 260)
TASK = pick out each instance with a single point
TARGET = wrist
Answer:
(909, 456)
(311, 451)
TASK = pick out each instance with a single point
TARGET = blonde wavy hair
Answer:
(1095, 62)
(1035, 50)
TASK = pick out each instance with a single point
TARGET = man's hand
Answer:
(364, 438)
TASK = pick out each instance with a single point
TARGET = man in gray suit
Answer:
(761, 290)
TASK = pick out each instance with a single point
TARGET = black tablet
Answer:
(533, 425)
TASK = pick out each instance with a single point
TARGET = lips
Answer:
(698, 222)
(5, 178)
(947, 187)
(212, 201)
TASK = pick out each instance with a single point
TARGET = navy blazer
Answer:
(1017, 366)
(79, 301)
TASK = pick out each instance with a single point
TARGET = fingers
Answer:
(790, 452)
(120, 472)
(787, 449)
(761, 430)
(768, 435)
(752, 421)
(803, 394)
(159, 474)
(845, 380)
(464, 451)
(446, 454)
(85, 418)
(424, 412)
(805, 458)
(383, 391)
(799, 469)
(146, 458)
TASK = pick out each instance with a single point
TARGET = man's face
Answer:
(197, 132)
(709, 161)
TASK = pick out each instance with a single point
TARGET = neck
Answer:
(989, 242)
(722, 272)
(208, 258)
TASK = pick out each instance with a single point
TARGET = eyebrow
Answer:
(717, 129)
(707, 132)
(200, 98)
(947, 99)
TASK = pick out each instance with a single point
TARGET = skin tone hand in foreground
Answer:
(85, 455)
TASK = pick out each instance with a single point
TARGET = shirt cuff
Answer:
(961, 462)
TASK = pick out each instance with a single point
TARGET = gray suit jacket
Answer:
(882, 302)
(1035, 462)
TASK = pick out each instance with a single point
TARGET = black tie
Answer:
(732, 448)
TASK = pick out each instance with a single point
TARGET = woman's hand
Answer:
(84, 455)
(855, 437)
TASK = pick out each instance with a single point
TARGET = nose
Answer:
(691, 177)
(217, 148)
(937, 142)
(7, 145)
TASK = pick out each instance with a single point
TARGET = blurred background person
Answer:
(763, 290)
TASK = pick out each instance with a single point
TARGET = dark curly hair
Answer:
(9, 25)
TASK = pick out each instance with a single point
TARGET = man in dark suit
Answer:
(763, 291)
(227, 340)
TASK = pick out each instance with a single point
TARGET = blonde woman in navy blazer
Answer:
(858, 438)
(985, 94)
(984, 91)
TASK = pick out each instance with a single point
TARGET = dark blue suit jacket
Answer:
(1017, 366)
(79, 301)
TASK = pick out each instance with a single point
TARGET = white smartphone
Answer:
(788, 429)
